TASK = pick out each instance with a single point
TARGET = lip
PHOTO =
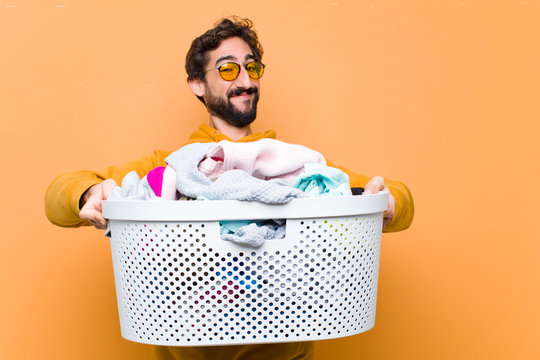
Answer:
(242, 97)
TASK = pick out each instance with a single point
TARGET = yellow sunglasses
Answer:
(230, 70)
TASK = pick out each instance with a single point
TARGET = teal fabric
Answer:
(321, 180)
(232, 226)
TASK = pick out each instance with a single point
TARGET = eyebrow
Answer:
(230, 57)
(227, 57)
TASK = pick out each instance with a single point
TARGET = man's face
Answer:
(233, 101)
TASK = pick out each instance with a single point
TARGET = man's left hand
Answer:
(373, 187)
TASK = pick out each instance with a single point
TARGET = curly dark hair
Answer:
(197, 56)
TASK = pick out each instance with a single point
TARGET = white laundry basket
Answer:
(179, 284)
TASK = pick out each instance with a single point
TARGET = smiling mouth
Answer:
(241, 96)
(242, 93)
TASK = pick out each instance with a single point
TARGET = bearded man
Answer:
(224, 67)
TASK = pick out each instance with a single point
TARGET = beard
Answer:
(227, 111)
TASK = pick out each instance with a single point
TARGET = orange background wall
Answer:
(442, 95)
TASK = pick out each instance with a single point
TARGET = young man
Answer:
(224, 70)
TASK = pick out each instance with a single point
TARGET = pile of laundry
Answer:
(268, 171)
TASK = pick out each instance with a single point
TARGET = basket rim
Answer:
(167, 210)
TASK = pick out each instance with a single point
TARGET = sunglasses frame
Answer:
(244, 65)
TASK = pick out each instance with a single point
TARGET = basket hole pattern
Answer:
(175, 289)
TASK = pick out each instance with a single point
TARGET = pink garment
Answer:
(155, 179)
(169, 191)
(162, 180)
(264, 159)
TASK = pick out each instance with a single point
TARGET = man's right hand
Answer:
(91, 203)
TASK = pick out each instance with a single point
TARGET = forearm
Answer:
(404, 212)
(64, 194)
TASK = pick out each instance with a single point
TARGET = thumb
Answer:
(93, 216)
(107, 186)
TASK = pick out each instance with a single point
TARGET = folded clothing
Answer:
(231, 185)
(264, 159)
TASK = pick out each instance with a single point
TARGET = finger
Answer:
(374, 185)
(100, 224)
(389, 212)
(86, 214)
(91, 211)
(93, 216)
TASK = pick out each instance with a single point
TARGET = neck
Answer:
(227, 129)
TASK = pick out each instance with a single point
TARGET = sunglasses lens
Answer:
(255, 70)
(229, 71)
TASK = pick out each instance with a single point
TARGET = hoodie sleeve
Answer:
(63, 194)
(404, 213)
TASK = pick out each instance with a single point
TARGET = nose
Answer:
(243, 81)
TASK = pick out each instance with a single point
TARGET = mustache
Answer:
(248, 91)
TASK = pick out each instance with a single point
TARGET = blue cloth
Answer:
(252, 233)
(321, 180)
(232, 226)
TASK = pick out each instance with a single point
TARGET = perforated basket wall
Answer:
(179, 284)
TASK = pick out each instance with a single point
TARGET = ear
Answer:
(197, 86)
